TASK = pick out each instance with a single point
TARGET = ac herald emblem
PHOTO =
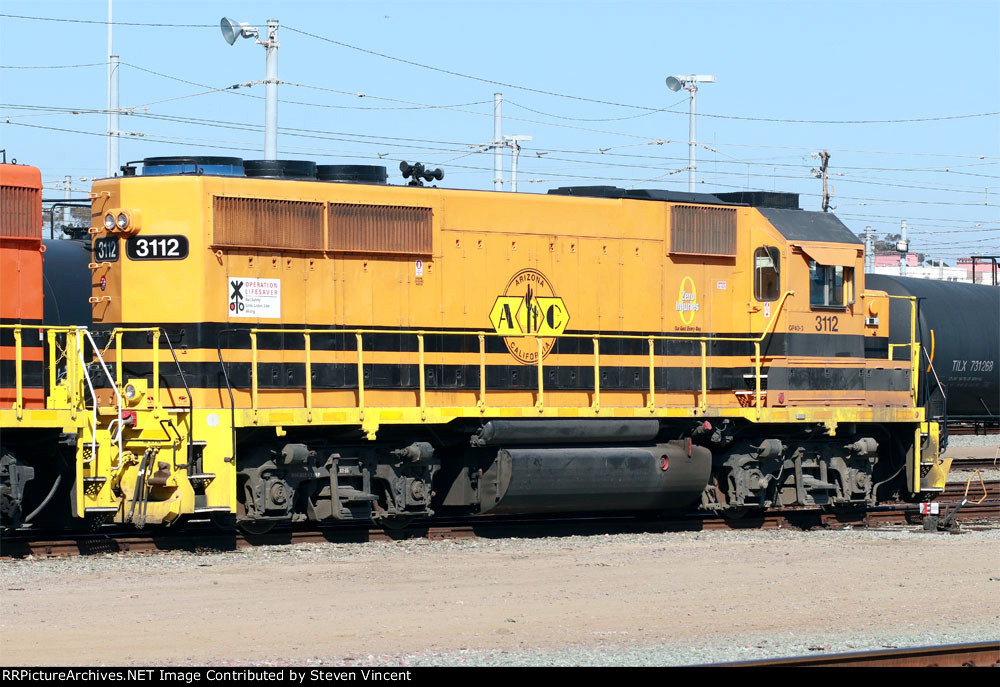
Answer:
(528, 310)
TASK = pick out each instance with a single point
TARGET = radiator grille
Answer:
(265, 223)
(380, 229)
(20, 213)
(703, 231)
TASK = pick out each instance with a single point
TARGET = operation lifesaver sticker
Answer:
(251, 297)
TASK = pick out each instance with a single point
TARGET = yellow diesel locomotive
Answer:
(297, 345)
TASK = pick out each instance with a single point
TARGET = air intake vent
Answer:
(22, 213)
(703, 231)
(281, 169)
(355, 174)
(380, 229)
(199, 164)
(264, 223)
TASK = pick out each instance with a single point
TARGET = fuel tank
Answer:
(959, 330)
(610, 478)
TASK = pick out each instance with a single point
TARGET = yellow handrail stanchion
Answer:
(540, 402)
(482, 373)
(651, 404)
(597, 374)
(253, 373)
(118, 358)
(756, 375)
(51, 338)
(156, 372)
(703, 401)
(361, 378)
(423, 374)
(72, 375)
(18, 373)
(309, 384)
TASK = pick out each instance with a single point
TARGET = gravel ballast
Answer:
(630, 599)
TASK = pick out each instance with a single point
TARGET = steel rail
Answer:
(20, 545)
(982, 654)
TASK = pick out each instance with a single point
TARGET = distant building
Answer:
(986, 270)
(892, 259)
(926, 272)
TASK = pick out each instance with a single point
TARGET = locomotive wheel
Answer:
(224, 521)
(735, 513)
(397, 523)
(256, 527)
(743, 512)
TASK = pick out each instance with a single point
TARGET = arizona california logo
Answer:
(528, 310)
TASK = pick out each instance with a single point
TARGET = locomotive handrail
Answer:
(93, 393)
(157, 404)
(75, 337)
(914, 344)
(307, 333)
(117, 333)
(51, 331)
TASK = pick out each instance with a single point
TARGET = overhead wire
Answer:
(53, 66)
(463, 153)
(113, 23)
(457, 108)
(629, 105)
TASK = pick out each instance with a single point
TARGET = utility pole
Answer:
(497, 144)
(515, 145)
(869, 250)
(824, 163)
(903, 247)
(67, 212)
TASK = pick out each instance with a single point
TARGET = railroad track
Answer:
(975, 464)
(194, 539)
(981, 654)
(964, 430)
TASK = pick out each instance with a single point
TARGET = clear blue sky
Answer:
(829, 61)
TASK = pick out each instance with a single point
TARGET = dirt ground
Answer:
(287, 604)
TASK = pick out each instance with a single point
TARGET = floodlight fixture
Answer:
(232, 30)
(690, 84)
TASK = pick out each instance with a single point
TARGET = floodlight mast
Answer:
(690, 83)
(230, 32)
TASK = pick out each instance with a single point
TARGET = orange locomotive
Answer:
(21, 282)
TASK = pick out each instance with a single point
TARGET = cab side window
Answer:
(766, 273)
(826, 285)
